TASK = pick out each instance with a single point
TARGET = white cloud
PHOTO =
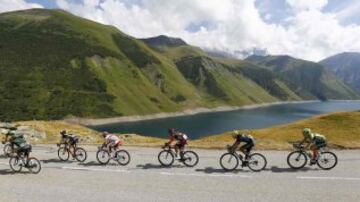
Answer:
(11, 5)
(301, 5)
(236, 25)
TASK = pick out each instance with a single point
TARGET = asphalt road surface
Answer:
(145, 180)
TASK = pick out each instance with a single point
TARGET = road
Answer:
(145, 180)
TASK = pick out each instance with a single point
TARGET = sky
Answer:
(307, 29)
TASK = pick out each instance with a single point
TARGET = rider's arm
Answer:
(235, 145)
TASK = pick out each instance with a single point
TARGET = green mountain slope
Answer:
(308, 79)
(54, 64)
(346, 66)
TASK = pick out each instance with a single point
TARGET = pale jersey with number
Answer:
(112, 140)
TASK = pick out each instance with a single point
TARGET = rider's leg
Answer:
(176, 148)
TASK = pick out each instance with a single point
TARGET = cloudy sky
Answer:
(308, 29)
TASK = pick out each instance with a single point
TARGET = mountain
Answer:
(346, 66)
(163, 40)
(54, 64)
(308, 79)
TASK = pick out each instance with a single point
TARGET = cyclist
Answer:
(315, 141)
(70, 140)
(181, 140)
(246, 148)
(111, 141)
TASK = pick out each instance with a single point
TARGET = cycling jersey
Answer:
(315, 137)
(112, 140)
(181, 138)
(70, 139)
(18, 140)
(245, 138)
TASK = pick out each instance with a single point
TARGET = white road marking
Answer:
(204, 175)
(95, 169)
(328, 178)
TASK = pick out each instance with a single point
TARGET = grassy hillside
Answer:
(341, 130)
(307, 79)
(55, 64)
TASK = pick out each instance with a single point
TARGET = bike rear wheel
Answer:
(34, 165)
(15, 164)
(63, 153)
(122, 157)
(190, 158)
(80, 154)
(297, 159)
(327, 160)
(103, 156)
(229, 161)
(257, 162)
(166, 158)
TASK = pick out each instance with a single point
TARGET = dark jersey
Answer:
(244, 138)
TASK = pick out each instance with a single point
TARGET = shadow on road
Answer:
(157, 166)
(3, 157)
(95, 163)
(10, 172)
(210, 170)
(55, 161)
(276, 169)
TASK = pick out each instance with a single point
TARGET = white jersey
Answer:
(112, 139)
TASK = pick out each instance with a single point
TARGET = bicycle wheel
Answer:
(327, 160)
(63, 153)
(122, 157)
(34, 165)
(229, 161)
(103, 156)
(166, 158)
(297, 159)
(15, 164)
(80, 154)
(257, 162)
(7, 150)
(190, 159)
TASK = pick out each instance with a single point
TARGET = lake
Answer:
(205, 124)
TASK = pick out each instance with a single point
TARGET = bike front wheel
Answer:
(80, 154)
(103, 156)
(7, 150)
(190, 158)
(63, 153)
(229, 161)
(257, 162)
(122, 157)
(166, 158)
(15, 164)
(297, 159)
(327, 160)
(34, 165)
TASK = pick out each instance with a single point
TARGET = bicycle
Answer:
(230, 161)
(298, 158)
(103, 156)
(166, 157)
(64, 152)
(21, 159)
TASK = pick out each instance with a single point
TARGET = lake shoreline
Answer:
(188, 112)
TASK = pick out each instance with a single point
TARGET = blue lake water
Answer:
(205, 124)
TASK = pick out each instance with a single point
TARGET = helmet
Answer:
(63, 132)
(171, 131)
(235, 133)
(306, 131)
(105, 133)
